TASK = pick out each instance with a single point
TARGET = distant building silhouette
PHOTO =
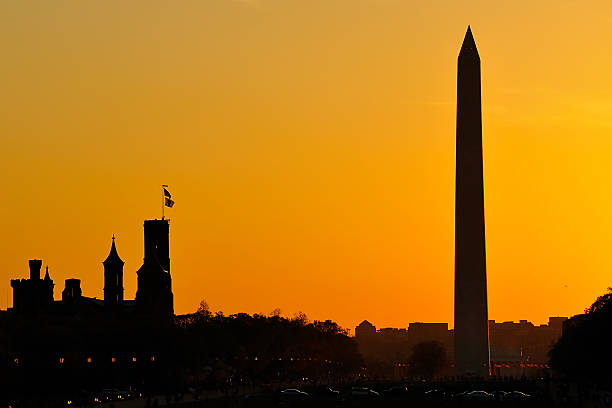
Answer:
(471, 321)
(439, 332)
(517, 349)
(365, 329)
(521, 349)
(154, 296)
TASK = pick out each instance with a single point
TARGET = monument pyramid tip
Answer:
(468, 42)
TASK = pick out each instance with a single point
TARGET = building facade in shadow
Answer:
(81, 342)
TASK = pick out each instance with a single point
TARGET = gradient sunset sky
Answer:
(309, 146)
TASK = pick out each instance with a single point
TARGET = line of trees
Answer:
(257, 348)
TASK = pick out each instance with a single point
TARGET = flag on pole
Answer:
(169, 202)
(167, 193)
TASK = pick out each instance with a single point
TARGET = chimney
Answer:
(35, 265)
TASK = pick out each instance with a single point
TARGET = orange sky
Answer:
(310, 147)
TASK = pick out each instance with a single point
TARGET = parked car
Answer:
(517, 395)
(293, 392)
(435, 393)
(362, 392)
(479, 395)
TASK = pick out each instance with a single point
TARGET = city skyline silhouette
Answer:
(308, 160)
(328, 163)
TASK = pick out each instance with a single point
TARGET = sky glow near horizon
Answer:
(309, 146)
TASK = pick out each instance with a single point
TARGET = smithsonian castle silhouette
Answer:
(154, 297)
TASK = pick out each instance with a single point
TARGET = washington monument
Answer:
(471, 320)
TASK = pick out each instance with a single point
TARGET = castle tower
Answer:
(72, 291)
(33, 295)
(154, 295)
(113, 278)
(156, 241)
(471, 319)
(35, 265)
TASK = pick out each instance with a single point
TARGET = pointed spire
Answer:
(113, 256)
(47, 277)
(469, 45)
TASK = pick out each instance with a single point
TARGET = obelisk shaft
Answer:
(471, 319)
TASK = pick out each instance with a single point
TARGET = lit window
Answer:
(89, 360)
(133, 359)
(16, 361)
(152, 358)
(113, 360)
(61, 360)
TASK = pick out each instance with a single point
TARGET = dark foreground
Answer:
(450, 394)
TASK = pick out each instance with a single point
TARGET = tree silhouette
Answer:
(264, 348)
(301, 318)
(583, 351)
(203, 309)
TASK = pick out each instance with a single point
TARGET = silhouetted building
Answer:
(33, 295)
(365, 329)
(557, 323)
(421, 332)
(471, 321)
(81, 342)
(387, 351)
(154, 296)
(113, 279)
(517, 349)
(521, 349)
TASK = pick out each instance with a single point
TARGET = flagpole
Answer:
(163, 200)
